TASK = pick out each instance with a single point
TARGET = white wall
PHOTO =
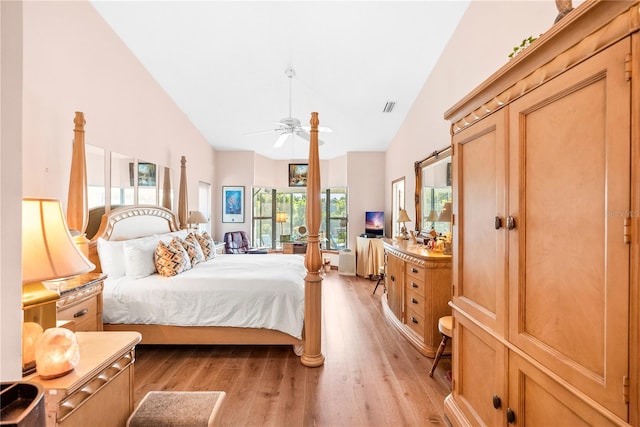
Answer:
(73, 61)
(10, 189)
(367, 189)
(480, 45)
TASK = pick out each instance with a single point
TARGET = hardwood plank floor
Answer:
(371, 376)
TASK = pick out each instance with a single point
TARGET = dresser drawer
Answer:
(415, 285)
(84, 313)
(415, 321)
(415, 270)
(415, 301)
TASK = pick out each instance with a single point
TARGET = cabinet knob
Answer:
(413, 300)
(413, 285)
(497, 223)
(393, 278)
(414, 320)
(497, 402)
(511, 416)
(414, 270)
(511, 223)
(81, 313)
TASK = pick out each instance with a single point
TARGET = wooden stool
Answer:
(445, 325)
(381, 276)
(177, 408)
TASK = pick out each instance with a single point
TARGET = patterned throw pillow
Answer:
(206, 243)
(171, 259)
(193, 248)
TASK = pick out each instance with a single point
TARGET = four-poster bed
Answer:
(134, 222)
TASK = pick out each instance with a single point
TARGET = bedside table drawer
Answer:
(83, 313)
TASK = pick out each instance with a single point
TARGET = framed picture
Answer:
(146, 174)
(298, 174)
(233, 204)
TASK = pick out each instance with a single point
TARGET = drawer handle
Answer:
(413, 300)
(414, 270)
(413, 285)
(414, 320)
(81, 313)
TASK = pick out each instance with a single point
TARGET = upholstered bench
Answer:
(177, 408)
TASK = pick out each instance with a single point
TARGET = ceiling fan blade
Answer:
(261, 132)
(320, 129)
(281, 139)
(304, 135)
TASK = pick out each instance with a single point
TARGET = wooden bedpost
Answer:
(77, 210)
(77, 198)
(183, 201)
(312, 355)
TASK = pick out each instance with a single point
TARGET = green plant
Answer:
(517, 49)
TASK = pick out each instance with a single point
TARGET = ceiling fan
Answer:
(290, 125)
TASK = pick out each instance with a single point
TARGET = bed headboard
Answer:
(132, 222)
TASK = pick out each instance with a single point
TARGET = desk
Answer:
(369, 256)
(294, 248)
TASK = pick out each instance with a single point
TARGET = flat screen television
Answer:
(374, 223)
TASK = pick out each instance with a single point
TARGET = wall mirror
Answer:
(96, 189)
(433, 193)
(123, 175)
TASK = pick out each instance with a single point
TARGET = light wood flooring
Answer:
(371, 376)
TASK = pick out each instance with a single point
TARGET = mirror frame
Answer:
(418, 167)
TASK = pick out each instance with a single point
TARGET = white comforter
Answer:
(254, 291)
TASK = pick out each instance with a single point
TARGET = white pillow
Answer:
(111, 257)
(138, 256)
(166, 237)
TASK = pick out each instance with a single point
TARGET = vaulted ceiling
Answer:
(224, 62)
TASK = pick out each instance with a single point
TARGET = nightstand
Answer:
(99, 391)
(218, 248)
(81, 301)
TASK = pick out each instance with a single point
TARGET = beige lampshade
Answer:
(197, 217)
(281, 217)
(433, 216)
(445, 215)
(48, 251)
(403, 217)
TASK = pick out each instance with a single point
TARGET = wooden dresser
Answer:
(546, 195)
(81, 301)
(99, 391)
(418, 291)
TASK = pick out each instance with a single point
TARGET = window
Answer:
(279, 215)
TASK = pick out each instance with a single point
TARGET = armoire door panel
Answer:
(479, 372)
(568, 264)
(479, 261)
(537, 400)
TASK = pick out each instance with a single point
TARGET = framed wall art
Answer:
(146, 174)
(298, 174)
(233, 204)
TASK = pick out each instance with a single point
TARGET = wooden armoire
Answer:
(546, 194)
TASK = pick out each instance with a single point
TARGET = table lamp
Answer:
(49, 255)
(197, 218)
(403, 218)
(280, 218)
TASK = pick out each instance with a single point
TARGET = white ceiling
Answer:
(224, 62)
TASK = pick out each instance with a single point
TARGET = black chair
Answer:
(236, 242)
